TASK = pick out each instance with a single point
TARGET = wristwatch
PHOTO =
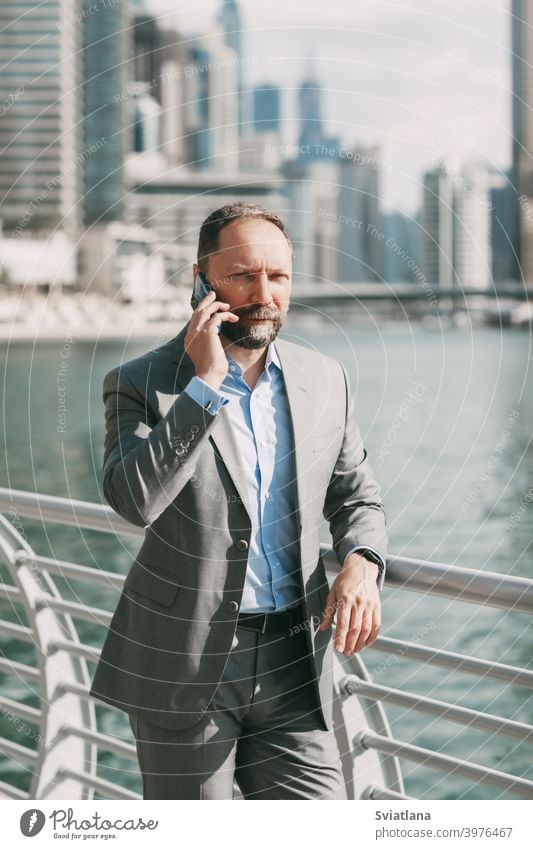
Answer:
(374, 558)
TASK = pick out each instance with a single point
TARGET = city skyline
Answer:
(162, 118)
(462, 100)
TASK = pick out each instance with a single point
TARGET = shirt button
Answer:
(241, 544)
(232, 606)
(263, 442)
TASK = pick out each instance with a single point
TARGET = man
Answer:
(229, 449)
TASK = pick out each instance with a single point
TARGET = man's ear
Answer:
(195, 270)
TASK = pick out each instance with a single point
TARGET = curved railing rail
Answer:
(64, 760)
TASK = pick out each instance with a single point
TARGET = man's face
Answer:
(252, 271)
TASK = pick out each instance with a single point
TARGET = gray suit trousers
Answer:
(262, 729)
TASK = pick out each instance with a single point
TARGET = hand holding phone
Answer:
(200, 290)
(205, 349)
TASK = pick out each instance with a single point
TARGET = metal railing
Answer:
(63, 755)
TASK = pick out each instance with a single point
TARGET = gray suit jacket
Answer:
(173, 468)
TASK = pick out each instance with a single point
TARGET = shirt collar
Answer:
(272, 358)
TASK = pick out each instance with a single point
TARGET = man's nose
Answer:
(262, 291)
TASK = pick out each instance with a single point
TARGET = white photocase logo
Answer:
(31, 822)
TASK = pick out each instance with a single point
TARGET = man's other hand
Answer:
(354, 596)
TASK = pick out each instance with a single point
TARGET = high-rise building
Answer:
(40, 93)
(172, 96)
(267, 108)
(503, 203)
(401, 248)
(107, 54)
(229, 19)
(456, 226)
(312, 140)
(146, 44)
(522, 119)
(437, 227)
(146, 123)
(472, 261)
(212, 105)
(310, 110)
(360, 225)
(312, 190)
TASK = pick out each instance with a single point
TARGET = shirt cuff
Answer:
(205, 395)
(381, 576)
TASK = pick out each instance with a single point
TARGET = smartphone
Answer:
(202, 287)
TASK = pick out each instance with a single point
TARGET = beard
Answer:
(249, 334)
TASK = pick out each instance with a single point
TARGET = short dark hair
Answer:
(219, 218)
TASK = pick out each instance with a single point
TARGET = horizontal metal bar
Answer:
(466, 717)
(382, 793)
(66, 511)
(81, 691)
(454, 660)
(16, 751)
(78, 572)
(103, 741)
(445, 763)
(476, 586)
(472, 585)
(14, 667)
(11, 792)
(30, 714)
(79, 611)
(16, 632)
(10, 593)
(76, 649)
(105, 788)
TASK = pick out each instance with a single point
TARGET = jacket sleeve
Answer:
(353, 505)
(146, 461)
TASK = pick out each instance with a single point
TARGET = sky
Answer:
(419, 78)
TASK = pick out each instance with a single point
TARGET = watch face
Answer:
(371, 556)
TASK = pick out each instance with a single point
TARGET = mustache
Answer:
(251, 312)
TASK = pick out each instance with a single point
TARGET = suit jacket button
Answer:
(242, 545)
(233, 606)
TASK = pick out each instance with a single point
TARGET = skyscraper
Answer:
(212, 105)
(107, 54)
(312, 140)
(437, 227)
(146, 55)
(472, 260)
(267, 108)
(522, 111)
(310, 110)
(360, 242)
(456, 226)
(229, 19)
(146, 123)
(503, 201)
(39, 126)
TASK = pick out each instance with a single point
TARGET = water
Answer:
(446, 416)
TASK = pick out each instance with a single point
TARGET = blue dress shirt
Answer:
(262, 423)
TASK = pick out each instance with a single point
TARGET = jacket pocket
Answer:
(159, 586)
